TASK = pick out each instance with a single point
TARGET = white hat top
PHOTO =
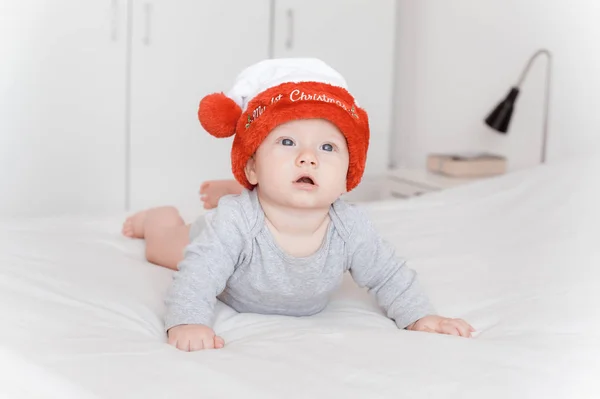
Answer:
(272, 72)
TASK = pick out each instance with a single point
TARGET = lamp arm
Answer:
(530, 63)
(546, 96)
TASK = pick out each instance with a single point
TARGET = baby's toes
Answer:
(128, 228)
(204, 187)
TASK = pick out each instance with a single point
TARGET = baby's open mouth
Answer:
(305, 179)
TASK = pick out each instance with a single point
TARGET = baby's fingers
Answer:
(461, 327)
(464, 330)
(183, 344)
(209, 342)
(467, 326)
(450, 329)
(196, 345)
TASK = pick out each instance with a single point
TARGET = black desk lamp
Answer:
(499, 118)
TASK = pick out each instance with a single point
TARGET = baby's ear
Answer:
(250, 171)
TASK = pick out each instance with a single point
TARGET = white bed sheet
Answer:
(516, 256)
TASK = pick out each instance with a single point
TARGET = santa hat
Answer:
(275, 91)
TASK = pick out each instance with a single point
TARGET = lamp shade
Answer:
(499, 118)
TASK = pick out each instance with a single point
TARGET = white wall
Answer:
(457, 58)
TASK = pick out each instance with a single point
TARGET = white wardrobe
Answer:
(62, 106)
(98, 99)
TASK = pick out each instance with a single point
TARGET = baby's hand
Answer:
(194, 337)
(442, 325)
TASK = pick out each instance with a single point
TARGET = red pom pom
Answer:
(219, 114)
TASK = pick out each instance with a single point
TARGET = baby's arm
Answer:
(208, 263)
(373, 264)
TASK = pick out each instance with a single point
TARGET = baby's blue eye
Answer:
(327, 147)
(288, 142)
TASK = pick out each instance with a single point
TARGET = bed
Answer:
(516, 256)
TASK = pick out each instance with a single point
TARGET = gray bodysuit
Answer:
(235, 258)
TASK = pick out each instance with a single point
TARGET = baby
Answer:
(282, 243)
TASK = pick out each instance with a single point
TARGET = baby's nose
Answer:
(307, 158)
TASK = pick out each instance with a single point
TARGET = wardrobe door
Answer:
(62, 105)
(183, 50)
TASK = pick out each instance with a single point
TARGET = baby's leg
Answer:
(211, 191)
(165, 233)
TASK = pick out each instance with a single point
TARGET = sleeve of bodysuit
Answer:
(208, 263)
(374, 264)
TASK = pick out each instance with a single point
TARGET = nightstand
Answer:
(406, 183)
(370, 189)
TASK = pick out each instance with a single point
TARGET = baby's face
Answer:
(302, 164)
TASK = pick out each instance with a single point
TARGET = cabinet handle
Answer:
(148, 17)
(114, 20)
(289, 43)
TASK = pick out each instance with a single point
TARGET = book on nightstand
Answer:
(467, 164)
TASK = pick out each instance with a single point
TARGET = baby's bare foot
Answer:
(211, 191)
(134, 225)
